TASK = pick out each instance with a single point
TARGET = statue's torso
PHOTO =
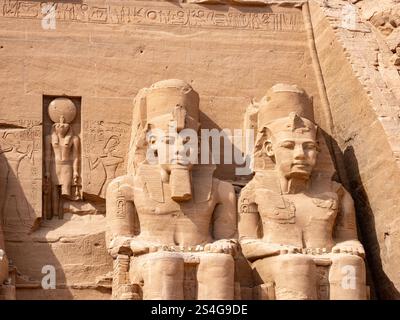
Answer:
(172, 223)
(302, 219)
(63, 151)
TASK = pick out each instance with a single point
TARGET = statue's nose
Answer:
(299, 152)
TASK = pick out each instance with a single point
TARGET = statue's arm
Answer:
(120, 214)
(346, 238)
(225, 216)
(251, 230)
(76, 156)
(249, 217)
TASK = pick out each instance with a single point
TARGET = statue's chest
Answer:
(62, 150)
(146, 204)
(297, 209)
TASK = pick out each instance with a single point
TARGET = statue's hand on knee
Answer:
(351, 247)
(120, 245)
(258, 249)
(140, 247)
(228, 246)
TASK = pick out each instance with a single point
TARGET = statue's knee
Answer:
(166, 264)
(347, 266)
(295, 261)
(343, 259)
(347, 278)
(217, 261)
(119, 186)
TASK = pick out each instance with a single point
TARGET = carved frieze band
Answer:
(262, 19)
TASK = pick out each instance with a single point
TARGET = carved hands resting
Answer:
(254, 249)
(351, 246)
(228, 246)
(136, 246)
(131, 246)
(120, 245)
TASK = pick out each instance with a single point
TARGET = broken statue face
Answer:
(293, 146)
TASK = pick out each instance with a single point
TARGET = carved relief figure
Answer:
(14, 205)
(62, 158)
(294, 220)
(103, 155)
(169, 214)
(109, 161)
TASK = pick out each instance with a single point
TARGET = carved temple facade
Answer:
(80, 81)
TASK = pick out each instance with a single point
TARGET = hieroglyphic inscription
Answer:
(105, 145)
(187, 16)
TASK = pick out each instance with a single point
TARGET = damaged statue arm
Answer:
(120, 215)
(122, 219)
(346, 238)
(225, 221)
(251, 231)
(253, 247)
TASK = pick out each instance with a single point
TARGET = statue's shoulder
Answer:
(338, 188)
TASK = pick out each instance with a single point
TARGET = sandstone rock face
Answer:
(84, 213)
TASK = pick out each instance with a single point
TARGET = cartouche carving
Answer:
(293, 218)
(170, 214)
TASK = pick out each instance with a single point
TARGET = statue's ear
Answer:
(268, 148)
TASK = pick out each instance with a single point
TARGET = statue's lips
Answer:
(300, 165)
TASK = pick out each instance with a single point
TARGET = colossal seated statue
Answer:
(169, 213)
(296, 225)
(3, 259)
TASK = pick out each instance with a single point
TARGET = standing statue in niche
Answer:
(168, 213)
(294, 221)
(62, 156)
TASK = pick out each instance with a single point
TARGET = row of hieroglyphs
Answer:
(189, 16)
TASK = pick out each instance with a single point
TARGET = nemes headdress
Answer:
(288, 107)
(164, 105)
(170, 101)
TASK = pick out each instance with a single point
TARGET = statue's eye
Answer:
(186, 140)
(310, 146)
(287, 144)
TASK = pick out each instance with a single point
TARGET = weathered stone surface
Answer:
(99, 55)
